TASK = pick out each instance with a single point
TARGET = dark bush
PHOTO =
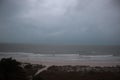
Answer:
(10, 69)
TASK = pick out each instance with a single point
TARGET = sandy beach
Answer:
(74, 63)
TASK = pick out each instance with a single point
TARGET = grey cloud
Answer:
(55, 21)
(116, 2)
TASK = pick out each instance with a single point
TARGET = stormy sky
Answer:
(60, 21)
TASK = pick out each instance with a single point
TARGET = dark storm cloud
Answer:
(60, 21)
(116, 2)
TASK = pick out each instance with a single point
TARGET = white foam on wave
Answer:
(50, 55)
(60, 57)
(96, 55)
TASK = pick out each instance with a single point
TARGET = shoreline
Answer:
(72, 63)
(64, 59)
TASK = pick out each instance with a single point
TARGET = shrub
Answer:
(10, 69)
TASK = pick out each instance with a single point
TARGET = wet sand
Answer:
(74, 63)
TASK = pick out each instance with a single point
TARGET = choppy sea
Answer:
(62, 53)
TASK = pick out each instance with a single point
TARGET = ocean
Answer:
(61, 53)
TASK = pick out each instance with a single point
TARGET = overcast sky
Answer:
(60, 21)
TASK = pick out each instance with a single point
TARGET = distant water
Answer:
(61, 53)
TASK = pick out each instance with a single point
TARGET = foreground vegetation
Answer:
(81, 73)
(10, 69)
